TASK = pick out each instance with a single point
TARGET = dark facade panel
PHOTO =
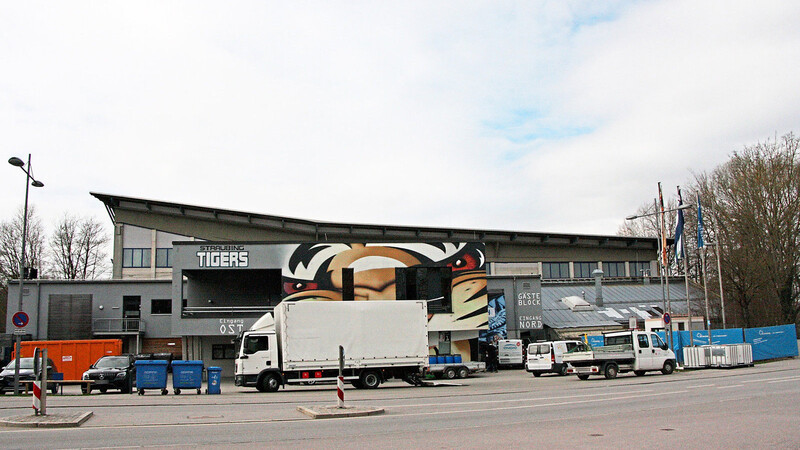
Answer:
(69, 317)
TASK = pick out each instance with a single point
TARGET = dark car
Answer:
(111, 372)
(25, 374)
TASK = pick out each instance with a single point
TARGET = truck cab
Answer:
(256, 360)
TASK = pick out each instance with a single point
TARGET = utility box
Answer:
(74, 357)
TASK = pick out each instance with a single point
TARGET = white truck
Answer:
(624, 351)
(299, 344)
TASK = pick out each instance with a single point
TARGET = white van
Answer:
(509, 352)
(545, 357)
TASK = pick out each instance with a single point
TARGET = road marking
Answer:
(506, 408)
(484, 402)
(700, 386)
(728, 387)
(783, 380)
(794, 377)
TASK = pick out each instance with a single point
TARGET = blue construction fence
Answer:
(767, 342)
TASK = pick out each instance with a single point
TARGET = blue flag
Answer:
(700, 243)
(679, 229)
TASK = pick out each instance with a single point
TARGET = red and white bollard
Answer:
(340, 390)
(340, 379)
(40, 374)
(37, 397)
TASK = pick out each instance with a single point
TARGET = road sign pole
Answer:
(17, 349)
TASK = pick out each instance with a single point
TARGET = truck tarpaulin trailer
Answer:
(299, 344)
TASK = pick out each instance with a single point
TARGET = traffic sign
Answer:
(20, 319)
(667, 319)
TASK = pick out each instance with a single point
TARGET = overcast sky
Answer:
(529, 116)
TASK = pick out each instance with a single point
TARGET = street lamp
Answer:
(679, 208)
(14, 161)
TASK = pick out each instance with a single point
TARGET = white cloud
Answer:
(545, 116)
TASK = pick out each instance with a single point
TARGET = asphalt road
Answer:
(733, 408)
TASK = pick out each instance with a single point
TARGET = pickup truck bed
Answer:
(599, 355)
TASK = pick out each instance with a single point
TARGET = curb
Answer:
(48, 421)
(331, 412)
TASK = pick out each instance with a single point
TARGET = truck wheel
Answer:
(611, 371)
(370, 379)
(583, 377)
(177, 391)
(357, 384)
(86, 389)
(463, 372)
(54, 389)
(639, 373)
(563, 370)
(268, 383)
(537, 374)
(103, 390)
(449, 373)
(669, 367)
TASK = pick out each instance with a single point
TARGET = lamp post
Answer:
(662, 263)
(14, 161)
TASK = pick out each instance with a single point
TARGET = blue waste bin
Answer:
(187, 375)
(214, 378)
(151, 374)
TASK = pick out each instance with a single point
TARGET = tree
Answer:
(77, 249)
(752, 203)
(11, 245)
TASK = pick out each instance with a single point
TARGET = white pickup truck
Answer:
(624, 351)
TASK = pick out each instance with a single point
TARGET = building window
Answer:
(163, 257)
(135, 257)
(584, 269)
(614, 269)
(223, 351)
(640, 268)
(555, 270)
(161, 306)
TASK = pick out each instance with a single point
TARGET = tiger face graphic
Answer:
(314, 272)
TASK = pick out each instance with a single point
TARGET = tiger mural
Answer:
(314, 272)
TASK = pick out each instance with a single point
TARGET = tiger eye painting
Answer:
(451, 276)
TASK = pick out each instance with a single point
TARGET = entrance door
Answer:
(131, 312)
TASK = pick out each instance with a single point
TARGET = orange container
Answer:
(72, 358)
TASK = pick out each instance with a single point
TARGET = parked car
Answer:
(545, 357)
(25, 374)
(111, 372)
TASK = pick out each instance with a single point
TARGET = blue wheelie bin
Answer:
(214, 378)
(151, 374)
(187, 375)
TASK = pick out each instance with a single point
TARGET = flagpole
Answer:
(664, 264)
(685, 265)
(701, 248)
(661, 271)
